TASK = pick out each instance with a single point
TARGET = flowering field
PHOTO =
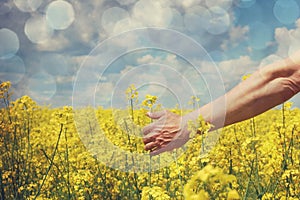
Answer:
(42, 157)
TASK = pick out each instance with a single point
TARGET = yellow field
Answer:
(43, 157)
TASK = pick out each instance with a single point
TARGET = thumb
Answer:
(156, 115)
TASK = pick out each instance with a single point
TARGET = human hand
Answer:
(168, 132)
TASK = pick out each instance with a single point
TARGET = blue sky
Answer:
(91, 51)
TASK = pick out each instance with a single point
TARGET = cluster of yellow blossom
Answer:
(211, 183)
(149, 101)
(154, 193)
(42, 155)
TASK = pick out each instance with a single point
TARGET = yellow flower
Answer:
(202, 194)
(149, 101)
(233, 195)
(245, 77)
(6, 84)
(131, 92)
(155, 193)
(267, 196)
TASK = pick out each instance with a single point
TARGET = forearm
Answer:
(266, 88)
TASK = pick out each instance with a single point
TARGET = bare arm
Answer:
(266, 88)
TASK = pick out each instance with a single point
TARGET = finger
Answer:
(156, 115)
(148, 129)
(148, 139)
(162, 148)
(151, 146)
(151, 137)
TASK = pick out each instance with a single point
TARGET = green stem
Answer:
(2, 193)
(150, 168)
(283, 115)
(51, 163)
(179, 176)
(249, 180)
(68, 165)
(131, 106)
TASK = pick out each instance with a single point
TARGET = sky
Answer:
(88, 52)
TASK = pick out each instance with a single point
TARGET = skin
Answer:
(263, 90)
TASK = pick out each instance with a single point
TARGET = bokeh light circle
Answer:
(286, 11)
(219, 21)
(41, 87)
(37, 29)
(28, 5)
(224, 4)
(196, 19)
(126, 2)
(12, 69)
(177, 20)
(161, 15)
(111, 17)
(93, 82)
(125, 24)
(60, 14)
(9, 43)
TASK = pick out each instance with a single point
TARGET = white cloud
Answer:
(152, 13)
(55, 43)
(97, 20)
(126, 24)
(126, 69)
(145, 59)
(143, 14)
(233, 70)
(170, 60)
(219, 21)
(196, 19)
(211, 78)
(126, 2)
(28, 6)
(237, 66)
(64, 79)
(87, 25)
(288, 40)
(87, 30)
(155, 75)
(112, 16)
(282, 37)
(225, 4)
(236, 35)
(187, 3)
